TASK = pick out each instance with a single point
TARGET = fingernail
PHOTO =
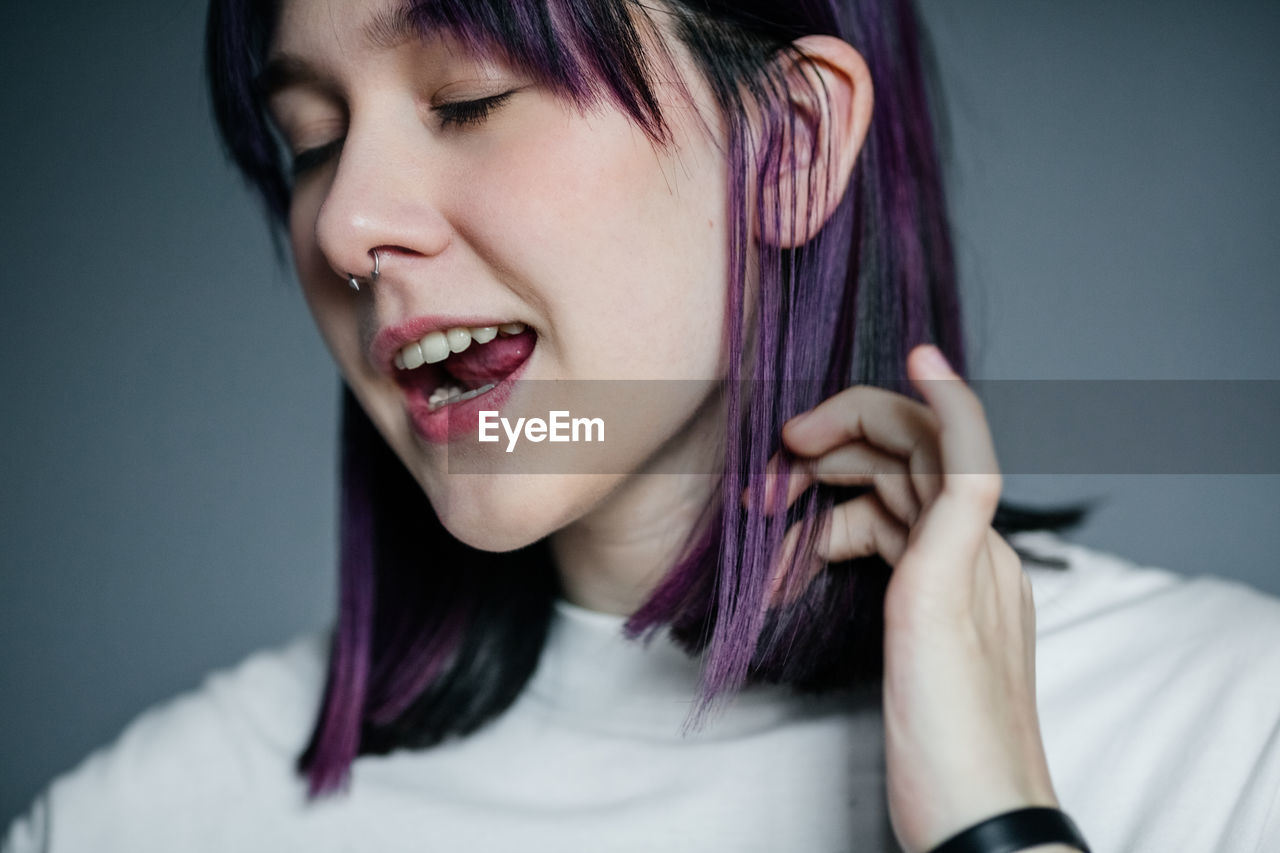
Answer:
(934, 361)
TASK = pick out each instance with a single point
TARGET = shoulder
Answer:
(1159, 700)
(179, 770)
(1154, 608)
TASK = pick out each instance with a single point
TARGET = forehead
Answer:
(318, 43)
(353, 25)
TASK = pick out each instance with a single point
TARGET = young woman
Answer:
(733, 213)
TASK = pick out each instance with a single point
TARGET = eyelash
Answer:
(470, 113)
(458, 114)
(305, 161)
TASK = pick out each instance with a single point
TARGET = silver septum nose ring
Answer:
(351, 279)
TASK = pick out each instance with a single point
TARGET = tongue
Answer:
(480, 364)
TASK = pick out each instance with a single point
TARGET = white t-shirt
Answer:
(1159, 701)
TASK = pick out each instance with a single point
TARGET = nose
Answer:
(377, 210)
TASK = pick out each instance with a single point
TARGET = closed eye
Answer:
(458, 114)
(470, 113)
(306, 160)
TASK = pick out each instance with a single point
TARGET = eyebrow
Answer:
(390, 27)
(387, 28)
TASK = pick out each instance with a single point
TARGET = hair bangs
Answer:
(584, 50)
(589, 52)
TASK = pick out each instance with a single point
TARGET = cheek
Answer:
(619, 245)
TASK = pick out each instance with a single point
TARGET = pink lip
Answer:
(392, 339)
(456, 420)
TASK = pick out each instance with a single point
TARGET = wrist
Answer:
(976, 804)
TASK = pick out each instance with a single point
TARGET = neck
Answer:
(612, 559)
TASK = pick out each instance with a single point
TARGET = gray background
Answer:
(167, 445)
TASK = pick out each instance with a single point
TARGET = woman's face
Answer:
(612, 251)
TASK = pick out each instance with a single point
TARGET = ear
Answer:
(829, 98)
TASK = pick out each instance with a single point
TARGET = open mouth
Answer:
(460, 364)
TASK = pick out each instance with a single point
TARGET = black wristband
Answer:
(1016, 830)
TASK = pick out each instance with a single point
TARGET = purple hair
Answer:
(422, 653)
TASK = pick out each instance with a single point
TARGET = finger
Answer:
(964, 436)
(855, 464)
(859, 464)
(925, 464)
(971, 477)
(800, 476)
(862, 527)
(857, 528)
(889, 421)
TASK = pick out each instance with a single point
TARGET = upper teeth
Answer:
(436, 346)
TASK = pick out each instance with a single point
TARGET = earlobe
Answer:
(829, 101)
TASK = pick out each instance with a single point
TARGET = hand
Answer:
(962, 737)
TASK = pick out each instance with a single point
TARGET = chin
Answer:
(507, 512)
